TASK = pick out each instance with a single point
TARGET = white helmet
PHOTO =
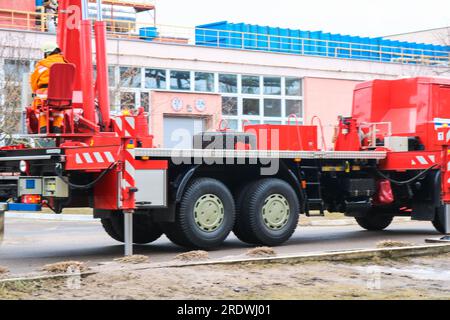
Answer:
(49, 47)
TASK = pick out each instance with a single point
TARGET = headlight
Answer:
(23, 166)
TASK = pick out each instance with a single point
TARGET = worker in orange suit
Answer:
(39, 84)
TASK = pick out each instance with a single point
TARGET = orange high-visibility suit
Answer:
(39, 81)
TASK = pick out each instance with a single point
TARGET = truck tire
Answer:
(108, 227)
(270, 212)
(241, 229)
(144, 229)
(204, 217)
(439, 222)
(374, 222)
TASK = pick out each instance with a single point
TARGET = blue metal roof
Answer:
(223, 34)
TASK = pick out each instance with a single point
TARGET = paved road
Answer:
(28, 245)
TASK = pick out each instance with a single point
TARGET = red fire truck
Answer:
(390, 158)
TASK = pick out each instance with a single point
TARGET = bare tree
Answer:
(15, 56)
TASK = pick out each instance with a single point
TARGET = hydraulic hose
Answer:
(86, 186)
(403, 183)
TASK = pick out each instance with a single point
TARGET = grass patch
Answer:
(17, 289)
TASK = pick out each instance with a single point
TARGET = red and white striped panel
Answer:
(423, 160)
(90, 158)
(125, 126)
(94, 157)
(128, 179)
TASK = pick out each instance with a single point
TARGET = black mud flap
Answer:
(427, 204)
(357, 209)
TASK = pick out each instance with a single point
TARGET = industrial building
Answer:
(193, 78)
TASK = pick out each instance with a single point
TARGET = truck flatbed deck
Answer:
(249, 154)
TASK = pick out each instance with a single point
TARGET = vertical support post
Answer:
(99, 10)
(3, 208)
(128, 184)
(447, 222)
(128, 225)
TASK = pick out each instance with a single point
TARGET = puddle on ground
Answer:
(417, 272)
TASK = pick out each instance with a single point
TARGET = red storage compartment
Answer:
(284, 137)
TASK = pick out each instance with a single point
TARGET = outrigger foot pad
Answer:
(445, 239)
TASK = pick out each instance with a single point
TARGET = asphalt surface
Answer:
(29, 244)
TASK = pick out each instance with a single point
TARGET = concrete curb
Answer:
(343, 222)
(50, 217)
(47, 277)
(385, 253)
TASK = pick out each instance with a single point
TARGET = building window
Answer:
(155, 79)
(272, 85)
(113, 100)
(228, 83)
(294, 107)
(130, 77)
(112, 76)
(293, 86)
(145, 101)
(127, 100)
(250, 107)
(204, 81)
(15, 69)
(180, 80)
(250, 85)
(229, 106)
(250, 122)
(272, 108)
(273, 122)
(232, 124)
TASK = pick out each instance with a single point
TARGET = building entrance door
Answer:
(179, 131)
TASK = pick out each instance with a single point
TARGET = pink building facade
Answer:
(328, 99)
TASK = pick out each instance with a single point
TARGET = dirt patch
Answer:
(193, 256)
(394, 244)
(261, 252)
(66, 266)
(136, 259)
(297, 281)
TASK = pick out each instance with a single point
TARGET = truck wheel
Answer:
(144, 229)
(439, 223)
(374, 222)
(108, 227)
(204, 217)
(270, 212)
(241, 229)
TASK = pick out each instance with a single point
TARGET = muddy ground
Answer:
(415, 278)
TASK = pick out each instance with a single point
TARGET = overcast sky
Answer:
(356, 17)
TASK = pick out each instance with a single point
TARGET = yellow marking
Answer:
(332, 169)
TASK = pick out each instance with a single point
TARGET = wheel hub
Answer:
(209, 213)
(276, 212)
